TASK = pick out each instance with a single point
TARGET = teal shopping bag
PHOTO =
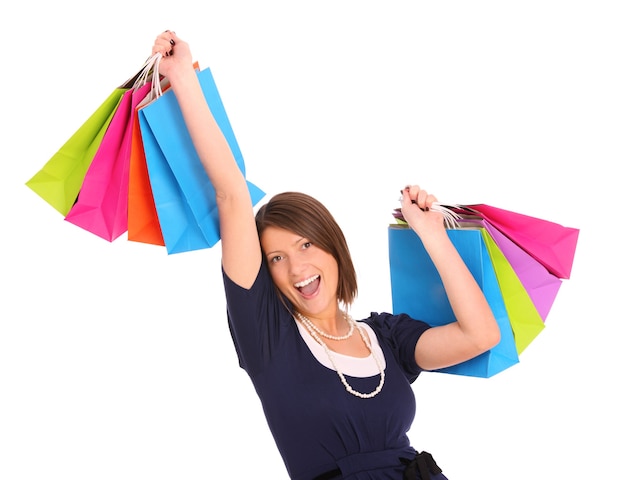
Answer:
(183, 194)
(417, 290)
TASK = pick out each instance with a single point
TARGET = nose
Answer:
(296, 266)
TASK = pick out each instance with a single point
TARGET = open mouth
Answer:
(308, 286)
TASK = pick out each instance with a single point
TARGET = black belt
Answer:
(329, 475)
(423, 462)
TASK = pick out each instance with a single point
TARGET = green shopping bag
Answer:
(525, 319)
(59, 181)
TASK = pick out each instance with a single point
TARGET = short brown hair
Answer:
(304, 215)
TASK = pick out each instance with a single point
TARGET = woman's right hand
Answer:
(175, 53)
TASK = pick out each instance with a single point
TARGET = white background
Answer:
(115, 358)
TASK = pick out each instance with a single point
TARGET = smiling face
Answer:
(301, 223)
(304, 273)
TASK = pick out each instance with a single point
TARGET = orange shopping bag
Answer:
(143, 222)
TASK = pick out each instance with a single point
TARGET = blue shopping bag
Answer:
(417, 290)
(180, 230)
(183, 194)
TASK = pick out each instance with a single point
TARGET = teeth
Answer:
(304, 283)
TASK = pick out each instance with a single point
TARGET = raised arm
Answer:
(241, 251)
(476, 329)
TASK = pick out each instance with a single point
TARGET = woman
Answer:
(336, 393)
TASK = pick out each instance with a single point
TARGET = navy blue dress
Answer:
(317, 425)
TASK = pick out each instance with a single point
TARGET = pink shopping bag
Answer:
(102, 204)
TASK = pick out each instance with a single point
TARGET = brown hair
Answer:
(306, 216)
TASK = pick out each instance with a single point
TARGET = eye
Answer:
(306, 245)
(276, 259)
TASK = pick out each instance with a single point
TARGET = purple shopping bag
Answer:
(541, 285)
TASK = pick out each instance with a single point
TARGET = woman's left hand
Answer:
(416, 210)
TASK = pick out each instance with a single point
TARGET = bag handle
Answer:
(149, 72)
(451, 217)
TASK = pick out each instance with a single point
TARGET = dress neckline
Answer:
(353, 366)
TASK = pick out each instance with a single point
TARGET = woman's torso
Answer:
(317, 424)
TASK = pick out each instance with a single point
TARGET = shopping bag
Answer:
(102, 204)
(417, 290)
(59, 180)
(551, 244)
(178, 226)
(183, 194)
(526, 322)
(541, 285)
(143, 221)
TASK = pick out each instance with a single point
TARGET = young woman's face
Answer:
(307, 275)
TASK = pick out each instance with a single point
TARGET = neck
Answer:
(336, 329)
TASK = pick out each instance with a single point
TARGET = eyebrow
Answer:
(298, 240)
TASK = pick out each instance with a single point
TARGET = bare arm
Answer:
(475, 329)
(241, 252)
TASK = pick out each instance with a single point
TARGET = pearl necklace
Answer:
(311, 326)
(313, 330)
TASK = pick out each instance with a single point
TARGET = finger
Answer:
(421, 198)
(174, 38)
(171, 40)
(164, 43)
(430, 199)
(410, 196)
(413, 191)
(405, 199)
(410, 193)
(161, 46)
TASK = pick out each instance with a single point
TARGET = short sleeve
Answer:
(400, 333)
(257, 318)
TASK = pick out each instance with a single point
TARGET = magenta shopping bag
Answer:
(551, 244)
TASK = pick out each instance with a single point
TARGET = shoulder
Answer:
(261, 300)
(262, 282)
(390, 325)
(400, 333)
